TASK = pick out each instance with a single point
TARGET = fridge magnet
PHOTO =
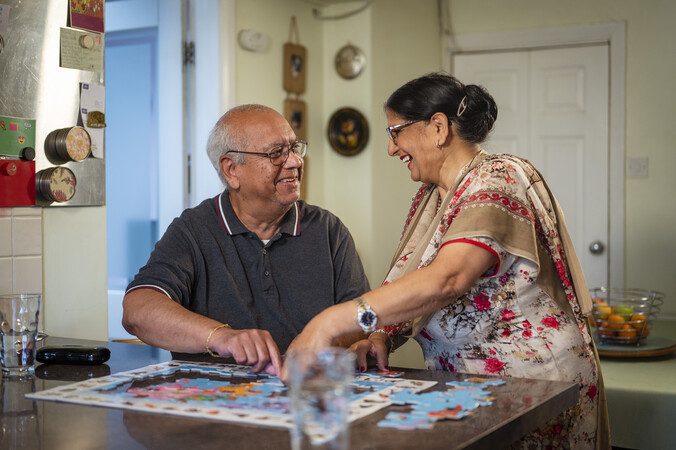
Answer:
(55, 184)
(295, 114)
(81, 50)
(17, 137)
(92, 116)
(68, 144)
(350, 62)
(348, 131)
(87, 15)
(17, 183)
(295, 62)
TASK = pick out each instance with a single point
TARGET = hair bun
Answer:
(478, 119)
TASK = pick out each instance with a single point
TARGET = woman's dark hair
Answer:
(421, 98)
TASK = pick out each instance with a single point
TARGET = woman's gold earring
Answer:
(438, 145)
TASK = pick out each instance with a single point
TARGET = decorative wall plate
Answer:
(348, 131)
(350, 61)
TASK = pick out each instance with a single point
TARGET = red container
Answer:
(17, 183)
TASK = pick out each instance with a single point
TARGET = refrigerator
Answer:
(52, 103)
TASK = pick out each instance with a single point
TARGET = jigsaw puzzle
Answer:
(426, 408)
(218, 391)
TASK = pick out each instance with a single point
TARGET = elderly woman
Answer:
(485, 277)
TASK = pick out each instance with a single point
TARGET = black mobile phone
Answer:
(73, 354)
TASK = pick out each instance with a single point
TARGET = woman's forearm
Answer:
(421, 292)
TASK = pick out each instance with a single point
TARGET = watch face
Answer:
(367, 319)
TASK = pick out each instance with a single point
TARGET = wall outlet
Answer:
(637, 167)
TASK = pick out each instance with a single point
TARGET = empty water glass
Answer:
(320, 385)
(18, 328)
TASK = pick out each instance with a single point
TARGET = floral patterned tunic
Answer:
(521, 318)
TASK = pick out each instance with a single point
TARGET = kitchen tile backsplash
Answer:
(27, 236)
(20, 250)
(5, 236)
(28, 274)
(5, 276)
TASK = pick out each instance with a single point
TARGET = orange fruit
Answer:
(628, 332)
(604, 331)
(638, 320)
(615, 322)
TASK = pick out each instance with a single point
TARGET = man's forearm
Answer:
(157, 320)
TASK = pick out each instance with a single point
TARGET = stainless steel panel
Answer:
(32, 85)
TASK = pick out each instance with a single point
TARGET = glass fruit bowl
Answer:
(624, 316)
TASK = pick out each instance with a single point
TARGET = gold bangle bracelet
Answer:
(206, 345)
(390, 342)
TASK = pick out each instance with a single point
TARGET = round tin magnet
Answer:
(69, 144)
(56, 184)
(86, 41)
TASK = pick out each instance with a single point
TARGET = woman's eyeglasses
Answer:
(394, 130)
(278, 155)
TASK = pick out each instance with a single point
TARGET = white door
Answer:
(553, 110)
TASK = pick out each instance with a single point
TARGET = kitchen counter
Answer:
(642, 397)
(520, 406)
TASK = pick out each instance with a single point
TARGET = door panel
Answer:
(553, 110)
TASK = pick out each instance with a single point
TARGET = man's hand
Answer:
(249, 347)
(376, 346)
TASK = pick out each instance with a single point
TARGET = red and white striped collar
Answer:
(290, 222)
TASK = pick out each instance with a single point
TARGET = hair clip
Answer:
(461, 107)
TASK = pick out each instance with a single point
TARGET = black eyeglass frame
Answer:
(282, 151)
(394, 130)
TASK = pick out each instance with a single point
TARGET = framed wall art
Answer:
(295, 61)
(295, 114)
(348, 131)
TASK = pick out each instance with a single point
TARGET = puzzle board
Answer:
(216, 391)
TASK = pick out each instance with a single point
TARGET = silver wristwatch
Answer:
(366, 317)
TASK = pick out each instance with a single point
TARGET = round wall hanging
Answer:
(348, 131)
(350, 61)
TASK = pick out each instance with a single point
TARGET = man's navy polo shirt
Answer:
(211, 264)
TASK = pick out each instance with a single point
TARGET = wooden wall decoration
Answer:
(296, 114)
(295, 62)
(294, 76)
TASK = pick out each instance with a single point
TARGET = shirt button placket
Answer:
(267, 280)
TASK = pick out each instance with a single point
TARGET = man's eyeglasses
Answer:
(394, 130)
(278, 155)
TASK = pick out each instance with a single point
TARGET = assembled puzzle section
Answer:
(218, 391)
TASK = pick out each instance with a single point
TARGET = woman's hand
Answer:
(315, 336)
(377, 346)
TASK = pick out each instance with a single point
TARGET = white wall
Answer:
(370, 192)
(650, 211)
(75, 272)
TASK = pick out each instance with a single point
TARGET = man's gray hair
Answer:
(225, 136)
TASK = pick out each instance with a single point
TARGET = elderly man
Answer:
(241, 274)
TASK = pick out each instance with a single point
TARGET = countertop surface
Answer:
(641, 396)
(520, 406)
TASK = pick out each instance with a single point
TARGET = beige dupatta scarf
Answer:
(421, 238)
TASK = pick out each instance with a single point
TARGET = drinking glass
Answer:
(18, 329)
(320, 387)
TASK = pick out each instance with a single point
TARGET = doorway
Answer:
(157, 127)
(553, 111)
(614, 36)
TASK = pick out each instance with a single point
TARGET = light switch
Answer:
(637, 167)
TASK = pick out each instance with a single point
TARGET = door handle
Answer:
(596, 248)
